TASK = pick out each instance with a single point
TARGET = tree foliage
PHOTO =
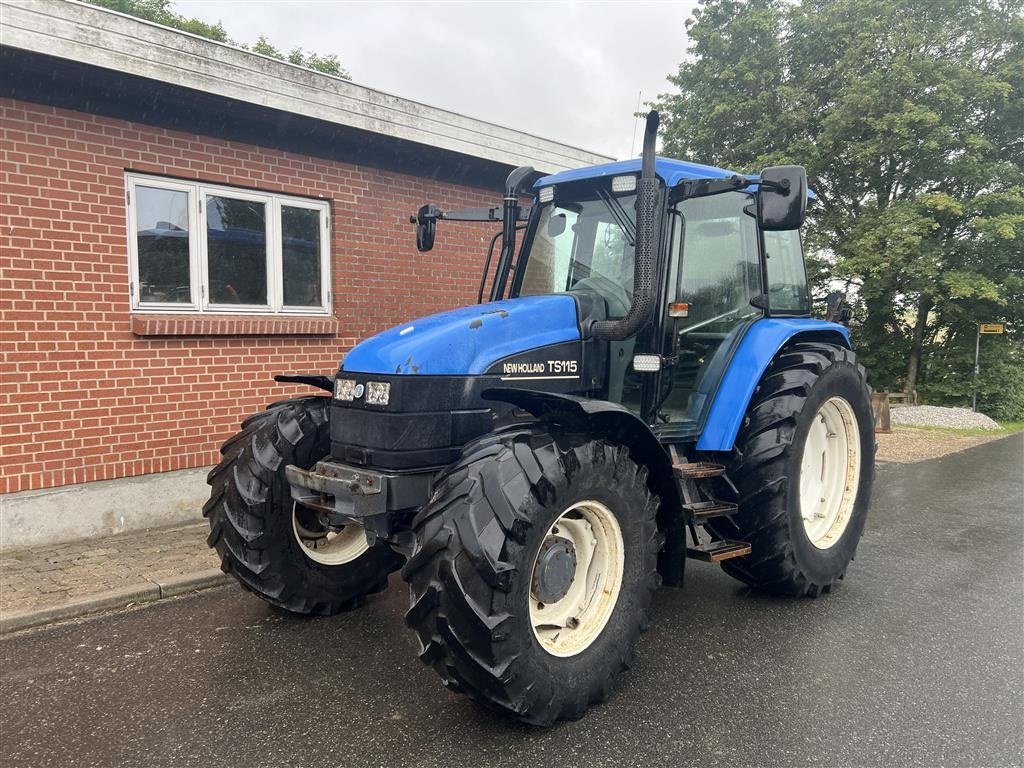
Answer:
(312, 60)
(909, 116)
(162, 12)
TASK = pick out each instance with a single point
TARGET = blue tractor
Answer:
(644, 385)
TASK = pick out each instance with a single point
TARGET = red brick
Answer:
(87, 391)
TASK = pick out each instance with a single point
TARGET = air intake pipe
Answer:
(647, 228)
(509, 218)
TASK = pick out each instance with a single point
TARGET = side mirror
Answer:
(782, 198)
(837, 310)
(426, 224)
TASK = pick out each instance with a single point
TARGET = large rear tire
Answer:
(532, 572)
(804, 468)
(275, 548)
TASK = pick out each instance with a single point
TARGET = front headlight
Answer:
(344, 389)
(377, 392)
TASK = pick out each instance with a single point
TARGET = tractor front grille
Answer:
(425, 424)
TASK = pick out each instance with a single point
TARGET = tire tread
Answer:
(758, 469)
(242, 502)
(461, 624)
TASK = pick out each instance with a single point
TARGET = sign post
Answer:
(982, 328)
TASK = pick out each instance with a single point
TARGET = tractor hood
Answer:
(468, 340)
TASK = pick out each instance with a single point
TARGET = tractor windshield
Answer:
(585, 244)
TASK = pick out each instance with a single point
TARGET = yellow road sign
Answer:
(991, 328)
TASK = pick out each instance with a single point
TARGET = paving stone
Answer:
(39, 578)
(51, 588)
(64, 558)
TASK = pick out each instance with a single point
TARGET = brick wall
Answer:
(90, 392)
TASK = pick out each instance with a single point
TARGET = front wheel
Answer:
(804, 468)
(275, 547)
(533, 570)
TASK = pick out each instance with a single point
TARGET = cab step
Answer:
(699, 511)
(697, 470)
(717, 551)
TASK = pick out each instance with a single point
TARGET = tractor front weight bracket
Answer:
(342, 494)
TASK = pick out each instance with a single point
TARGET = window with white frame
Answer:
(205, 248)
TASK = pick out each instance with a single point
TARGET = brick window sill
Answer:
(233, 325)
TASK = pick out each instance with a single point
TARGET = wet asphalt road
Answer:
(916, 659)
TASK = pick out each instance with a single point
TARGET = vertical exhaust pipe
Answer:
(648, 224)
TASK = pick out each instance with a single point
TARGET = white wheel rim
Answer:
(829, 472)
(329, 547)
(571, 625)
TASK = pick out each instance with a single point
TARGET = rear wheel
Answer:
(532, 572)
(804, 468)
(274, 547)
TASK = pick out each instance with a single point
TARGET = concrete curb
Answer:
(145, 592)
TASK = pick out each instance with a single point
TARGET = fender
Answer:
(598, 417)
(602, 418)
(756, 350)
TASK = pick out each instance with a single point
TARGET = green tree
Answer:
(327, 64)
(909, 115)
(162, 12)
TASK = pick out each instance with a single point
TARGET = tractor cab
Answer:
(716, 273)
(727, 253)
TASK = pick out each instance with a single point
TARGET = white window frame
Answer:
(199, 283)
(325, 255)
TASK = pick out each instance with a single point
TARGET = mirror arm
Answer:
(462, 214)
(468, 214)
(684, 190)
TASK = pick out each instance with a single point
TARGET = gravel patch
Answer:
(907, 445)
(937, 416)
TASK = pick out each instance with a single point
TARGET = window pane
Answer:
(236, 238)
(161, 222)
(787, 280)
(581, 246)
(720, 270)
(300, 252)
(547, 269)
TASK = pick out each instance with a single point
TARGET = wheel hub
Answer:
(576, 578)
(326, 544)
(555, 570)
(829, 472)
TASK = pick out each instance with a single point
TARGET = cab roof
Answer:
(671, 171)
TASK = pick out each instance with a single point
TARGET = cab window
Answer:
(584, 245)
(787, 278)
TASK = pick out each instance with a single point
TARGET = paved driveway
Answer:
(916, 659)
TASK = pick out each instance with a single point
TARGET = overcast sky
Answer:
(565, 71)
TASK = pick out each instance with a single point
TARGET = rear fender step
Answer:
(717, 551)
(704, 510)
(698, 470)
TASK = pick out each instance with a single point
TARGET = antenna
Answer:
(636, 119)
